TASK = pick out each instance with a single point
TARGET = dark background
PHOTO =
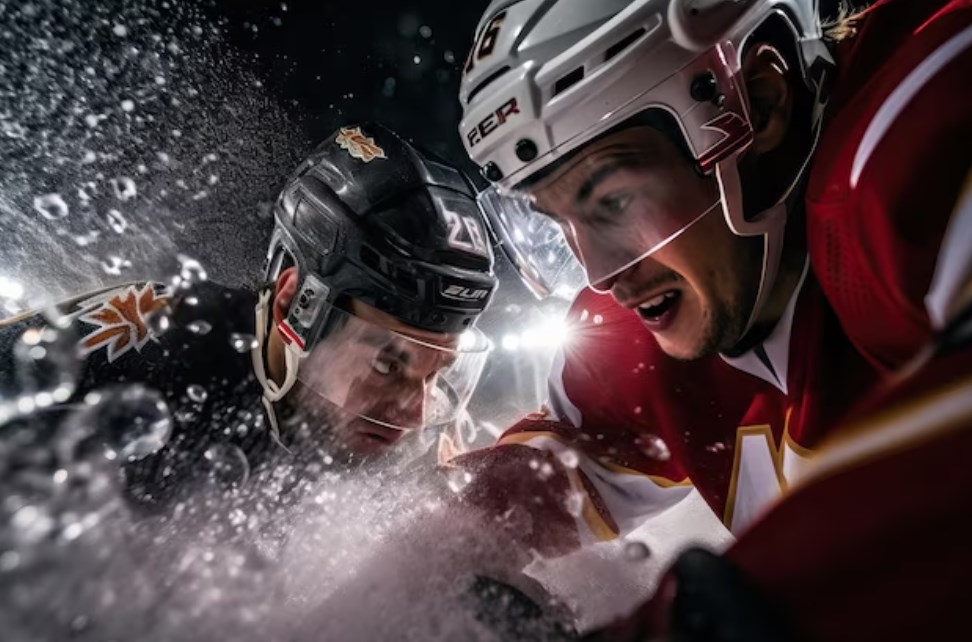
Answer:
(331, 62)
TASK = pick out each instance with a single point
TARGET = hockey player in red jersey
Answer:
(767, 219)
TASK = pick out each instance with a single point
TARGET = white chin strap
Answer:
(770, 223)
(271, 391)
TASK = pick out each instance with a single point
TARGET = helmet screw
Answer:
(703, 88)
(492, 172)
(526, 150)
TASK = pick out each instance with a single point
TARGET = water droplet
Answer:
(31, 524)
(120, 30)
(654, 447)
(78, 624)
(716, 447)
(124, 188)
(569, 458)
(159, 321)
(417, 59)
(425, 31)
(574, 503)
(84, 240)
(546, 471)
(190, 272)
(133, 421)
(45, 362)
(636, 551)
(227, 464)
(197, 393)
(117, 221)
(598, 319)
(115, 264)
(72, 531)
(51, 206)
(128, 105)
(199, 327)
(9, 561)
(243, 342)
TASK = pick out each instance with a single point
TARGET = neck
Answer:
(788, 275)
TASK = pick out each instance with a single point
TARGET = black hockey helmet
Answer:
(369, 216)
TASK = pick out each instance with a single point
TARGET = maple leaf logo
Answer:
(359, 145)
(121, 321)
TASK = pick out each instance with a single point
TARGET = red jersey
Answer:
(630, 430)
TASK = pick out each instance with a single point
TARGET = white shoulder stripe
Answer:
(953, 270)
(560, 404)
(903, 94)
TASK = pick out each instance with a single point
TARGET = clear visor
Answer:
(389, 378)
(595, 238)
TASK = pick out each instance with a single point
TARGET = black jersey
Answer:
(154, 362)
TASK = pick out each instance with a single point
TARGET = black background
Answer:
(328, 63)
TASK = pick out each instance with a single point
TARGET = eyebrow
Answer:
(388, 349)
(602, 173)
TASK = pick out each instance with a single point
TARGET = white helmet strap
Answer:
(271, 391)
(770, 223)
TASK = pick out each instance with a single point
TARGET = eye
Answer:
(614, 203)
(384, 366)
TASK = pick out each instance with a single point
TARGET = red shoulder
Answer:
(887, 177)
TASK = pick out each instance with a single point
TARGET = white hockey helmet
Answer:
(544, 77)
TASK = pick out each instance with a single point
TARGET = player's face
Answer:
(695, 292)
(379, 383)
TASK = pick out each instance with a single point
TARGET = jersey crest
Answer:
(121, 320)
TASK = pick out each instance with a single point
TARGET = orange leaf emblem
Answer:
(359, 145)
(121, 321)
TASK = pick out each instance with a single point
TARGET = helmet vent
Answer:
(623, 44)
(568, 80)
(489, 79)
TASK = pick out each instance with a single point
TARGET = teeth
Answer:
(658, 300)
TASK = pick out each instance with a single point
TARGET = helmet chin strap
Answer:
(271, 391)
(770, 223)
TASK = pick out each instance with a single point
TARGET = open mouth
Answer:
(659, 311)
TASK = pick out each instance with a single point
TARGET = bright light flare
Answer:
(549, 334)
(10, 289)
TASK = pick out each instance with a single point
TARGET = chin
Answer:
(681, 350)
(689, 341)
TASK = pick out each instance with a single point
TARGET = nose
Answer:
(409, 407)
(627, 283)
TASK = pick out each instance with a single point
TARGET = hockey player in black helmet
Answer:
(381, 264)
(362, 342)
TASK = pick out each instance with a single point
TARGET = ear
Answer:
(283, 293)
(770, 97)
